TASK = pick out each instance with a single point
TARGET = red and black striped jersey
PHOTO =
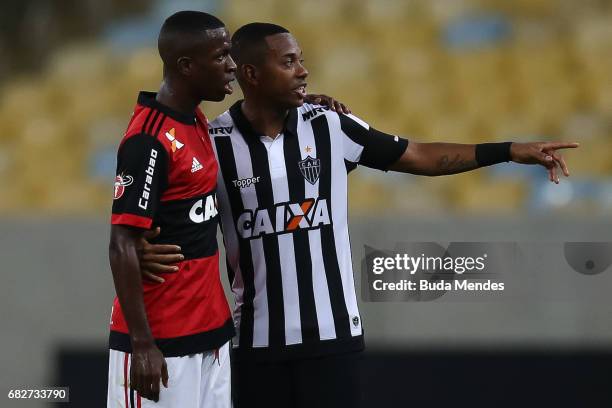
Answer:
(167, 177)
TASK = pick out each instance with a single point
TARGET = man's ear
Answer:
(183, 65)
(250, 74)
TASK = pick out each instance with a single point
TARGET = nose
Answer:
(231, 65)
(301, 72)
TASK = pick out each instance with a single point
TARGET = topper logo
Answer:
(245, 182)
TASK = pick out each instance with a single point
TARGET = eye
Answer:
(221, 57)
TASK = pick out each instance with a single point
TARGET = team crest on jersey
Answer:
(176, 145)
(310, 169)
(121, 182)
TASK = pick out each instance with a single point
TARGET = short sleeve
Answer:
(142, 168)
(369, 147)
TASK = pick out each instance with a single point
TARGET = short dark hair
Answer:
(190, 22)
(248, 40)
(177, 27)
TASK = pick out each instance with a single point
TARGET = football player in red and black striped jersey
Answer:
(176, 333)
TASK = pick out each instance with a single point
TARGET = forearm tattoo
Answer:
(456, 165)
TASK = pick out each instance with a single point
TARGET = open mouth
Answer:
(229, 89)
(301, 90)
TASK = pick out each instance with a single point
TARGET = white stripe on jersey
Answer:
(291, 296)
(340, 213)
(230, 240)
(244, 169)
(260, 302)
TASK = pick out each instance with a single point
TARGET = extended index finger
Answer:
(560, 145)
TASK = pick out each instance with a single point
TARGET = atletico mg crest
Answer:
(310, 169)
(121, 182)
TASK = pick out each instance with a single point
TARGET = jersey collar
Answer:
(148, 99)
(245, 128)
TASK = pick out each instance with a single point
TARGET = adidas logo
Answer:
(195, 165)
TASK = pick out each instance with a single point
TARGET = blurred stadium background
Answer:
(437, 70)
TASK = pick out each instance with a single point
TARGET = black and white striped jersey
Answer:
(283, 204)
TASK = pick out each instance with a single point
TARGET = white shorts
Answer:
(195, 381)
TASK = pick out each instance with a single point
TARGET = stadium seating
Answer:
(461, 71)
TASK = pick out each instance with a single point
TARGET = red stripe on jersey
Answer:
(190, 301)
(131, 220)
(139, 401)
(125, 378)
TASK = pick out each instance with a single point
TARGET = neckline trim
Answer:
(147, 99)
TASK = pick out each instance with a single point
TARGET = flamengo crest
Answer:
(121, 182)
